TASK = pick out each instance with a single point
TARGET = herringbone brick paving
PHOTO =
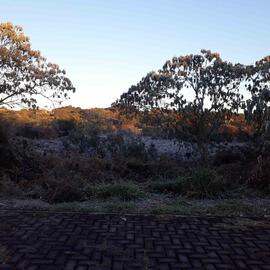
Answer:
(76, 241)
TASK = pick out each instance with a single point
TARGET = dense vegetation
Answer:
(71, 154)
(99, 153)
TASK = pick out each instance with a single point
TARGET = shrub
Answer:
(92, 169)
(166, 167)
(84, 140)
(206, 182)
(142, 170)
(64, 127)
(135, 149)
(29, 131)
(63, 192)
(124, 145)
(61, 189)
(203, 182)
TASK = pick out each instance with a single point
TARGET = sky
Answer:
(107, 45)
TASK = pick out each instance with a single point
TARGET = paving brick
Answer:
(68, 241)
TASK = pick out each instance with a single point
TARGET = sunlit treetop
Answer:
(25, 74)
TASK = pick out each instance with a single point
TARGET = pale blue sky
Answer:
(107, 45)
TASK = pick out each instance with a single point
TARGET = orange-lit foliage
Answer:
(25, 73)
(236, 126)
(110, 120)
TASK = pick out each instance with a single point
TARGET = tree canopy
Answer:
(257, 108)
(24, 72)
(212, 87)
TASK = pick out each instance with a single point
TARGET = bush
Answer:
(206, 182)
(92, 169)
(64, 127)
(125, 191)
(60, 189)
(29, 131)
(124, 145)
(135, 149)
(167, 167)
(63, 192)
(203, 183)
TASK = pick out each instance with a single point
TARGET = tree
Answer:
(257, 109)
(25, 74)
(213, 91)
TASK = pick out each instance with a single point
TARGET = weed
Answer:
(206, 182)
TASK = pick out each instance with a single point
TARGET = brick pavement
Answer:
(77, 241)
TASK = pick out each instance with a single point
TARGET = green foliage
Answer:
(202, 183)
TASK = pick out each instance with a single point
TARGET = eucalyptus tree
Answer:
(195, 94)
(257, 107)
(24, 72)
(257, 112)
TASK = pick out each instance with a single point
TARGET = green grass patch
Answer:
(123, 190)
(202, 183)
